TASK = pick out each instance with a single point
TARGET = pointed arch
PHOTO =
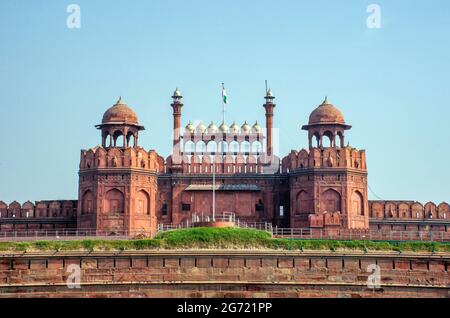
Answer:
(114, 202)
(87, 205)
(330, 201)
(142, 203)
(303, 203)
(200, 147)
(189, 147)
(211, 147)
(357, 203)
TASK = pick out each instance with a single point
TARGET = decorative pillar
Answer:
(125, 132)
(269, 106)
(177, 105)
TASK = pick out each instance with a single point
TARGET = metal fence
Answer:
(224, 217)
(371, 235)
(69, 234)
(293, 233)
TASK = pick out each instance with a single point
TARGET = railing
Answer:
(391, 235)
(70, 234)
(224, 217)
(293, 233)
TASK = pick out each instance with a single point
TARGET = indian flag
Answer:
(224, 94)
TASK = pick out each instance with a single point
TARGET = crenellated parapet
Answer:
(327, 220)
(100, 157)
(39, 209)
(408, 210)
(317, 158)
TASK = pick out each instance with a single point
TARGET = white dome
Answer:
(190, 128)
(234, 128)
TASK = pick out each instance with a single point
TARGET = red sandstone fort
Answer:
(123, 187)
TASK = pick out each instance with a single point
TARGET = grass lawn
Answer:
(221, 238)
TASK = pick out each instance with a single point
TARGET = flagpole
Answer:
(214, 190)
(223, 104)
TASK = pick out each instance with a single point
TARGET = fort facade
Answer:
(123, 187)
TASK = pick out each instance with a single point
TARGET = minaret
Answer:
(176, 106)
(269, 106)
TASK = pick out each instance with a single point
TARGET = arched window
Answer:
(131, 141)
(223, 147)
(189, 147)
(143, 202)
(106, 142)
(234, 147)
(357, 203)
(327, 139)
(315, 140)
(118, 138)
(303, 203)
(245, 147)
(257, 147)
(114, 202)
(211, 147)
(200, 147)
(330, 201)
(87, 203)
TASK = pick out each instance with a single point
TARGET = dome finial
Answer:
(325, 102)
(120, 101)
(177, 95)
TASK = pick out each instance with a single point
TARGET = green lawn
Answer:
(221, 238)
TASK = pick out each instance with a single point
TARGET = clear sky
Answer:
(392, 84)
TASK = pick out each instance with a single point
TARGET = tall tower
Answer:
(269, 106)
(118, 180)
(177, 105)
(329, 180)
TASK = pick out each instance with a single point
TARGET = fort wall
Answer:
(224, 274)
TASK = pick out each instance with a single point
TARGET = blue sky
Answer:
(391, 83)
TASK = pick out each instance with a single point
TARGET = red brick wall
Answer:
(224, 274)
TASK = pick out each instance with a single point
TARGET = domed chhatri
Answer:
(326, 121)
(120, 121)
(120, 113)
(326, 113)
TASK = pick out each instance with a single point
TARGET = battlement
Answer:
(330, 157)
(100, 157)
(408, 210)
(325, 220)
(39, 209)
